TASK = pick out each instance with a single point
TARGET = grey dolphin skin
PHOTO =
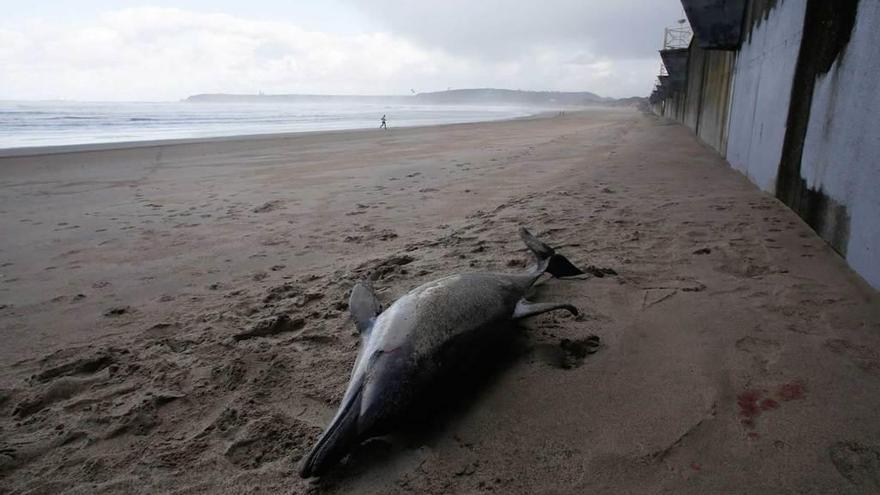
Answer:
(405, 347)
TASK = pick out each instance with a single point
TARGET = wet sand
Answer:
(174, 317)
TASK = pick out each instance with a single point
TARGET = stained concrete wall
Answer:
(795, 108)
(674, 106)
(715, 99)
(704, 104)
(694, 93)
(841, 154)
(762, 80)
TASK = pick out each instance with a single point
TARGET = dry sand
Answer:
(739, 353)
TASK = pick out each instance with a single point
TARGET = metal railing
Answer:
(678, 36)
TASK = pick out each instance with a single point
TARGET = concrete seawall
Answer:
(793, 106)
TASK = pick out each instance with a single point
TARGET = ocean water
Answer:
(27, 124)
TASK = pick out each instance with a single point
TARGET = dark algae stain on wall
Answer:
(757, 13)
(828, 26)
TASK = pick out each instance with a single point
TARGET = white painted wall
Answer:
(842, 148)
(841, 155)
(763, 75)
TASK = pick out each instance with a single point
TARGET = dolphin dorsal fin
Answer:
(364, 306)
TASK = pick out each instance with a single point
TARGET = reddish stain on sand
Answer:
(696, 466)
(753, 435)
(751, 403)
(748, 404)
(792, 391)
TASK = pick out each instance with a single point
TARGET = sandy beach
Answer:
(174, 319)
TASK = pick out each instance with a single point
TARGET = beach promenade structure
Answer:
(788, 92)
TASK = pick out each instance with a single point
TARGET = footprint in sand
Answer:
(268, 206)
(268, 439)
(764, 352)
(864, 357)
(118, 311)
(60, 382)
(858, 463)
(568, 353)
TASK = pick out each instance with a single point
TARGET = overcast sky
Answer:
(167, 50)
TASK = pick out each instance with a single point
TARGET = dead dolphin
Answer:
(404, 347)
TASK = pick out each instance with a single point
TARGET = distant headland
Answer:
(484, 96)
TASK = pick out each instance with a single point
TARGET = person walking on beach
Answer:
(383, 125)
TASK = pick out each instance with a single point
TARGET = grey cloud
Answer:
(499, 29)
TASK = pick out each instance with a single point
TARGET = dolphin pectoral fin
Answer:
(524, 308)
(364, 306)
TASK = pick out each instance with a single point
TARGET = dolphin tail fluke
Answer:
(559, 266)
(548, 260)
(337, 440)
